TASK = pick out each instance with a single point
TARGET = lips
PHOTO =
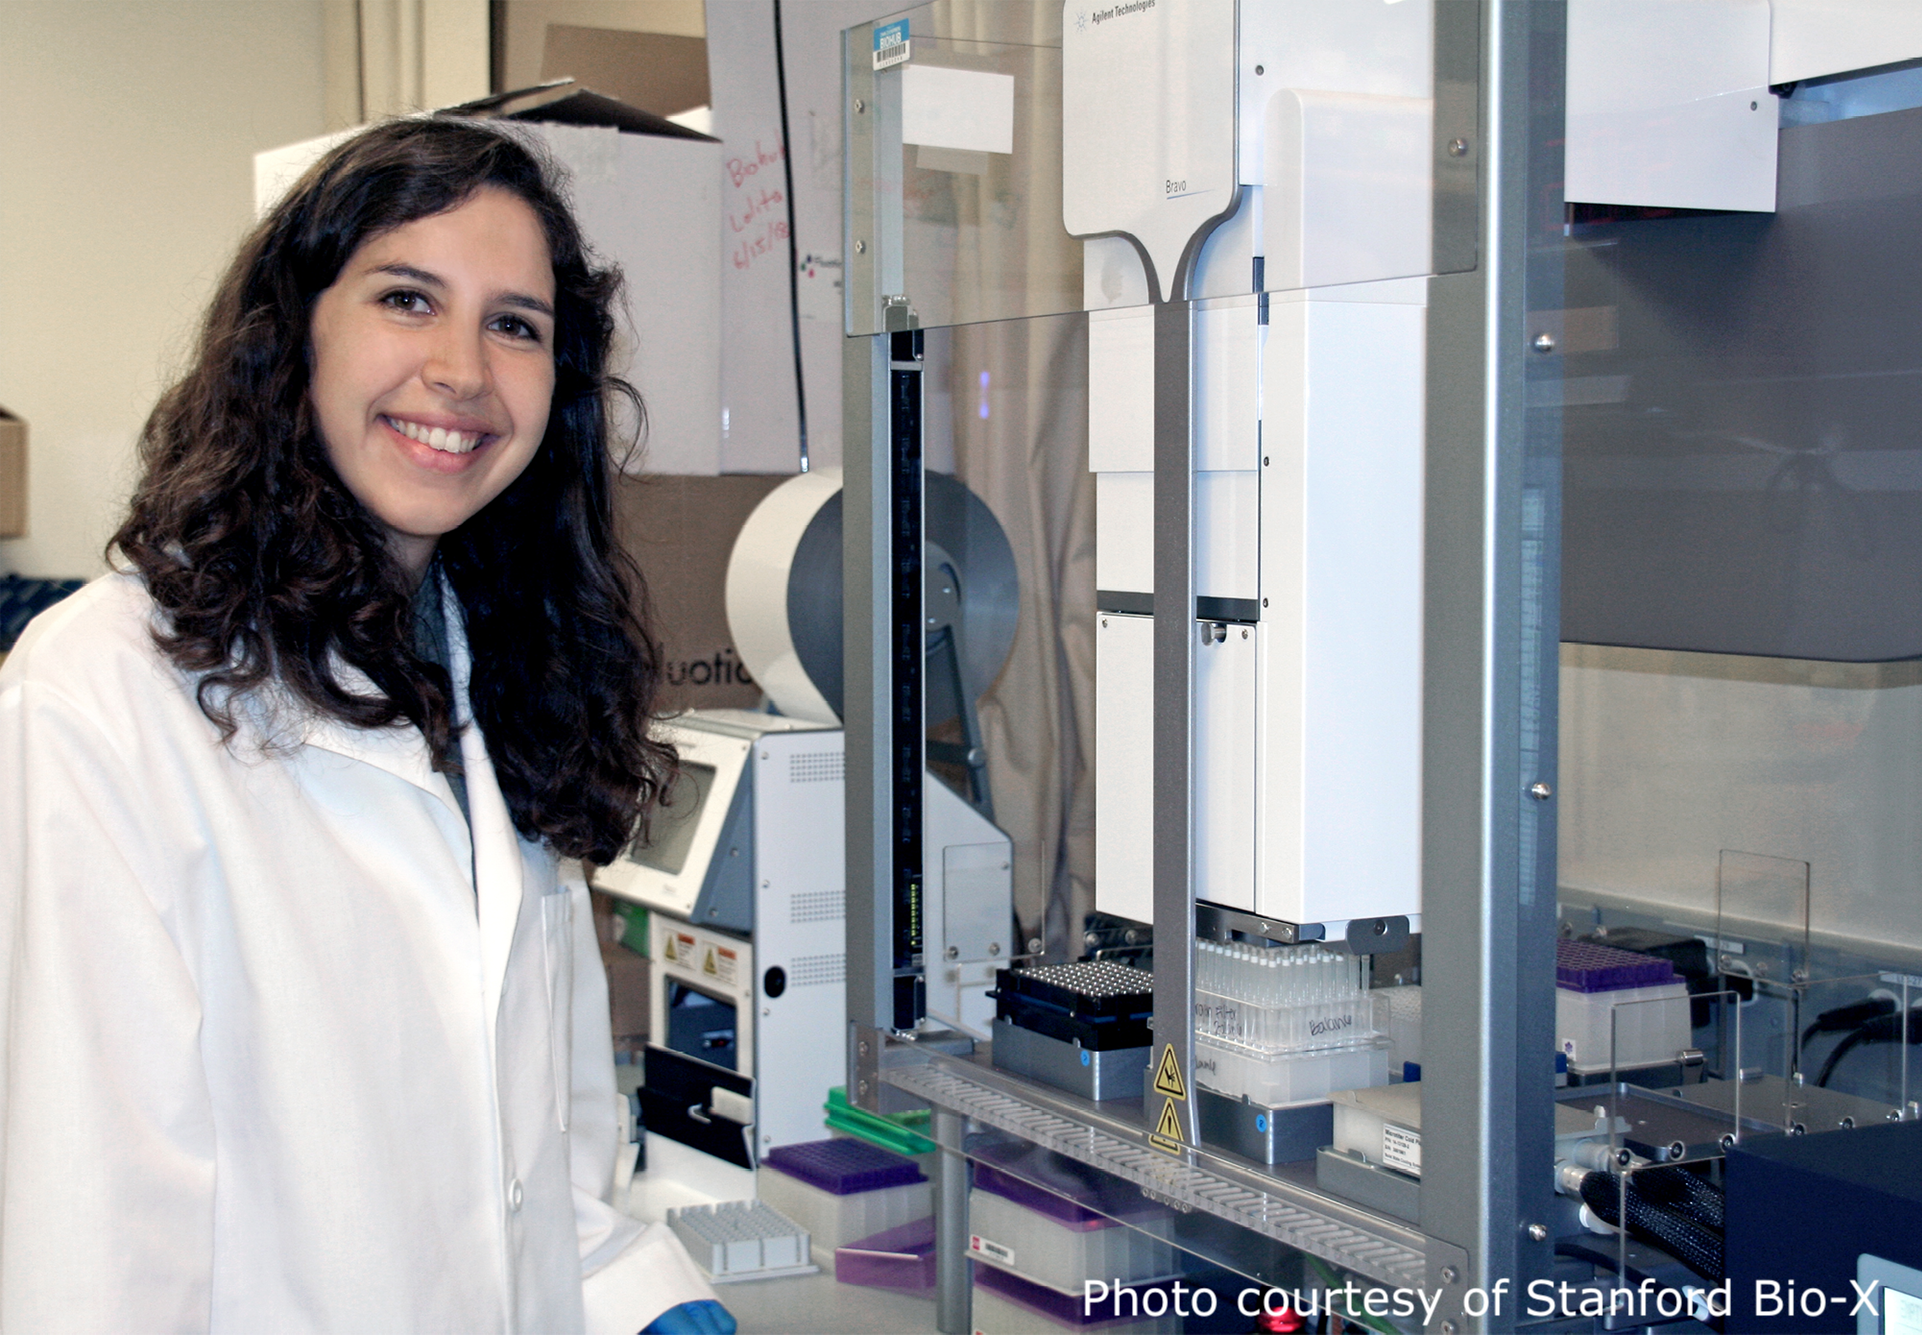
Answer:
(437, 437)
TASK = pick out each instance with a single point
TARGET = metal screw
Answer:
(1264, 602)
(1799, 976)
(864, 1086)
(1751, 106)
(1847, 1124)
(1104, 623)
(1540, 791)
(954, 952)
(1449, 1274)
(1264, 461)
(1260, 70)
(1450, 1328)
(860, 247)
(1538, 1232)
(994, 947)
(1457, 148)
(1244, 634)
(864, 1047)
(1544, 342)
(859, 105)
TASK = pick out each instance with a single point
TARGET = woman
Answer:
(306, 1028)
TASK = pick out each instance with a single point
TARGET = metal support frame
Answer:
(1174, 706)
(953, 1282)
(1490, 658)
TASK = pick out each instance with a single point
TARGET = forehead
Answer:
(492, 240)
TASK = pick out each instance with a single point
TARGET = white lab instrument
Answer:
(1308, 362)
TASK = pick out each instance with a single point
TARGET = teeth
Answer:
(437, 438)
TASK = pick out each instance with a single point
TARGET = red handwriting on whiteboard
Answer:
(757, 213)
(751, 204)
(740, 169)
(768, 239)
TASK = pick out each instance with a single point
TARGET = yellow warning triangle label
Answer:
(1167, 1133)
(707, 965)
(667, 950)
(1168, 1076)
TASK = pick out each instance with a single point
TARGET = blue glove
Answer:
(705, 1317)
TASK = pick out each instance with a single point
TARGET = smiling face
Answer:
(433, 366)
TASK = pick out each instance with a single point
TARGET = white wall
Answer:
(127, 134)
(1669, 758)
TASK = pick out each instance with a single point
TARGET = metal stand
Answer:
(1489, 664)
(953, 1284)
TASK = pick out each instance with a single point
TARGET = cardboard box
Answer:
(13, 476)
(681, 531)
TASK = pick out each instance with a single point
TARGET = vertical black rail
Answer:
(908, 659)
(793, 243)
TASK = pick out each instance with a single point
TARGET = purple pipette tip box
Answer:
(896, 1258)
(844, 1167)
(1068, 1308)
(1585, 966)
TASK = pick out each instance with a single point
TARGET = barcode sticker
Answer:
(991, 1249)
(891, 46)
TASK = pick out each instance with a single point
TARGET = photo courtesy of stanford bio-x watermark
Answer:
(1543, 1298)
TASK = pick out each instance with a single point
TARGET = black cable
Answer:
(1687, 1194)
(1601, 1257)
(1882, 1029)
(1690, 1241)
(793, 244)
(1848, 1017)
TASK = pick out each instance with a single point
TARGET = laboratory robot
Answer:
(1261, 274)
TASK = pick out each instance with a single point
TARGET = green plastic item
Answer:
(633, 920)
(891, 1131)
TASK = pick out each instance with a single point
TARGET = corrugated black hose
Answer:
(1663, 1212)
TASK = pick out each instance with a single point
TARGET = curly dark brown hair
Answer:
(270, 571)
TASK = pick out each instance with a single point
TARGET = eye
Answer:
(406, 299)
(515, 327)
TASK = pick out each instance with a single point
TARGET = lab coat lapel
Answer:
(497, 852)
(400, 751)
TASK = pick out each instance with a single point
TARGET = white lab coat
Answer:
(267, 1069)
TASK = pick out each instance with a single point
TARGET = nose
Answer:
(457, 364)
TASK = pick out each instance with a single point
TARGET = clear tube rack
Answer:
(1276, 1016)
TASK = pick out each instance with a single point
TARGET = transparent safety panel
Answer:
(1014, 158)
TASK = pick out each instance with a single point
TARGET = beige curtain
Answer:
(390, 57)
(1028, 459)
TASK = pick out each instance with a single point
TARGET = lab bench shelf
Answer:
(1111, 1138)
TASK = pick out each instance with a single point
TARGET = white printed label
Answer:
(1401, 1149)
(994, 1251)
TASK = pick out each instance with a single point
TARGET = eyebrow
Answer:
(519, 300)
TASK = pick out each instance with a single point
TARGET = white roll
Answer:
(758, 575)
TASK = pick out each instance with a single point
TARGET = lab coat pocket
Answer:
(557, 930)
